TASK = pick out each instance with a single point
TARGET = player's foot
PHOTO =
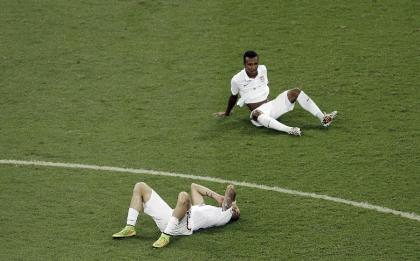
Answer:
(162, 241)
(295, 131)
(128, 231)
(230, 195)
(328, 118)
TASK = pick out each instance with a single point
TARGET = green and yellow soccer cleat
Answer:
(128, 231)
(162, 241)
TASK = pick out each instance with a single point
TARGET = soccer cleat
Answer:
(230, 196)
(295, 131)
(328, 118)
(162, 241)
(128, 231)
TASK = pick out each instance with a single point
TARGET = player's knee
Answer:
(256, 114)
(293, 94)
(184, 198)
(140, 186)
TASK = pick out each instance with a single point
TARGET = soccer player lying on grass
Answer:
(251, 84)
(190, 213)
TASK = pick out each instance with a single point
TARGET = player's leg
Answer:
(183, 204)
(269, 122)
(309, 105)
(182, 208)
(141, 195)
(305, 102)
(268, 113)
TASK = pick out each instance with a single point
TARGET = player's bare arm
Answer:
(198, 192)
(231, 103)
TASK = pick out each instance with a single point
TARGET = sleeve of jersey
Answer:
(234, 87)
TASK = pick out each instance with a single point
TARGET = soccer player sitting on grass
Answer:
(190, 213)
(251, 83)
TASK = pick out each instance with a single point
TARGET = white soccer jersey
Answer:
(199, 216)
(205, 216)
(250, 90)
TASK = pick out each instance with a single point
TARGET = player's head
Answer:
(251, 63)
(249, 54)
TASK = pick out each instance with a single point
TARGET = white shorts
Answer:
(161, 213)
(184, 227)
(275, 108)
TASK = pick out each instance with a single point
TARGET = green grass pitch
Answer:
(134, 83)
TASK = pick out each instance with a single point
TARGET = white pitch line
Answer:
(364, 205)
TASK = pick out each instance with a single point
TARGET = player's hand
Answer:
(220, 114)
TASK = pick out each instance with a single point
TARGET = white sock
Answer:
(309, 105)
(270, 122)
(173, 222)
(132, 216)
